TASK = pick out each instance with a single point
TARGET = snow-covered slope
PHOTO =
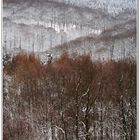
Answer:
(44, 24)
(117, 42)
(112, 6)
(65, 22)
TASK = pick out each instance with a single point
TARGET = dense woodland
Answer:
(69, 98)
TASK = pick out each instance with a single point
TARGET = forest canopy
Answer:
(69, 98)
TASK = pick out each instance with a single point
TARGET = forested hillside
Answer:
(69, 70)
(69, 98)
(41, 25)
